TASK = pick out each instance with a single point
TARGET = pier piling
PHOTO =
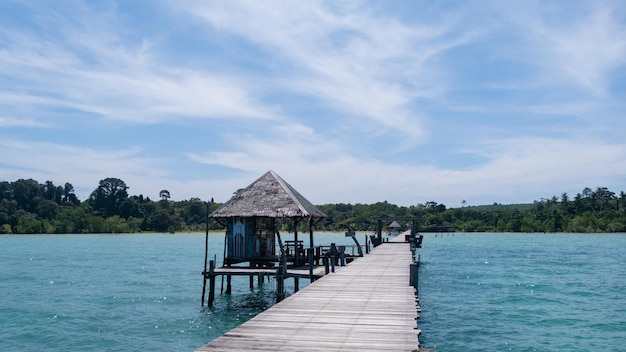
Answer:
(211, 283)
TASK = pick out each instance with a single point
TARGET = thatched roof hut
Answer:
(268, 196)
(394, 225)
(251, 219)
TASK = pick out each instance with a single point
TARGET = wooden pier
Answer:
(367, 305)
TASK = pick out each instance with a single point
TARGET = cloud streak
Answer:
(364, 66)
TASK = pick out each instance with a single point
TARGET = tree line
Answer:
(30, 207)
(27, 206)
(587, 212)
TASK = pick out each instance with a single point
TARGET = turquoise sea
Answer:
(523, 292)
(479, 292)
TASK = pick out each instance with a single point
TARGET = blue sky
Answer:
(350, 102)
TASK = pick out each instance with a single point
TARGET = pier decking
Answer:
(365, 306)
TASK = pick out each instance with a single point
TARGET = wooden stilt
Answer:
(203, 288)
(251, 282)
(296, 284)
(206, 254)
(229, 287)
(211, 283)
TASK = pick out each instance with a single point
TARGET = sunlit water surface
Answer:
(479, 292)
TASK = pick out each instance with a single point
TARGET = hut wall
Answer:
(240, 244)
(264, 238)
(250, 238)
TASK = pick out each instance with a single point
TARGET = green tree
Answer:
(165, 195)
(68, 195)
(194, 212)
(47, 209)
(26, 193)
(515, 224)
(107, 198)
(163, 220)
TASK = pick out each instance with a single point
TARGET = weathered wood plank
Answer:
(366, 306)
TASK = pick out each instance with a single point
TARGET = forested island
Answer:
(30, 207)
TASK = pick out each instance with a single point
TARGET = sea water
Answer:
(478, 292)
(130, 292)
(523, 292)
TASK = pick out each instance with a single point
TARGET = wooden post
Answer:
(333, 256)
(295, 242)
(325, 260)
(318, 254)
(211, 283)
(260, 279)
(414, 275)
(206, 253)
(296, 284)
(280, 283)
(203, 287)
(229, 287)
(224, 262)
(342, 255)
(311, 232)
(310, 256)
(251, 282)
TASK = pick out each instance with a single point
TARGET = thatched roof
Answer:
(268, 196)
(394, 224)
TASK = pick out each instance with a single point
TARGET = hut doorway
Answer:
(264, 238)
(239, 240)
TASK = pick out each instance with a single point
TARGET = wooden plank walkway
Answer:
(365, 306)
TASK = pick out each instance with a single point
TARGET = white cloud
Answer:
(586, 49)
(371, 68)
(21, 122)
(88, 67)
(529, 166)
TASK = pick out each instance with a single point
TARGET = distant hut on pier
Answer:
(394, 228)
(251, 218)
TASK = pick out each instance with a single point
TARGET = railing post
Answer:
(310, 257)
(325, 260)
(342, 255)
